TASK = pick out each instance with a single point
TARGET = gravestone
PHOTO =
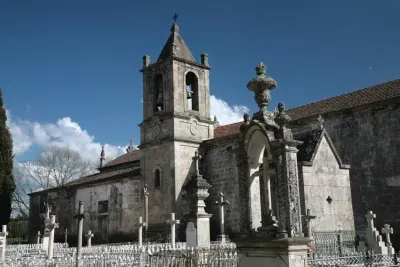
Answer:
(191, 235)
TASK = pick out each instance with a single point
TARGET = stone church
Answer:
(339, 155)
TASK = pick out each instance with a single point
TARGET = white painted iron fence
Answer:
(336, 244)
(366, 260)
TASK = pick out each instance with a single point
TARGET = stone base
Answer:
(223, 238)
(284, 252)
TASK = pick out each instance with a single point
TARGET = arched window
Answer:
(157, 178)
(158, 93)
(192, 91)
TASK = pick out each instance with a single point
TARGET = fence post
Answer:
(340, 243)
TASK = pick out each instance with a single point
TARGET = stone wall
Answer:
(161, 200)
(112, 208)
(368, 138)
(221, 172)
(325, 178)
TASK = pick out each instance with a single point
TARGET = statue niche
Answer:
(262, 201)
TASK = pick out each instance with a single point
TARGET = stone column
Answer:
(140, 230)
(89, 236)
(197, 189)
(146, 207)
(66, 236)
(3, 240)
(38, 237)
(80, 216)
(222, 203)
(52, 226)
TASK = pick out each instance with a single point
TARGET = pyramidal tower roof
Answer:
(175, 46)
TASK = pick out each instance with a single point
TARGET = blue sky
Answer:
(79, 60)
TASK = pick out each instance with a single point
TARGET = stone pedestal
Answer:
(285, 252)
(223, 238)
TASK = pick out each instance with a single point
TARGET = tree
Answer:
(54, 167)
(7, 184)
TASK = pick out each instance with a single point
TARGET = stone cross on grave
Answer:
(89, 236)
(387, 231)
(221, 203)
(3, 240)
(140, 230)
(80, 216)
(370, 216)
(172, 222)
(308, 217)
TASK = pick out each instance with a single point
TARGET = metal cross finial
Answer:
(175, 17)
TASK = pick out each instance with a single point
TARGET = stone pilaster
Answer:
(288, 193)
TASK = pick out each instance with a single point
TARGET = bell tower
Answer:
(176, 119)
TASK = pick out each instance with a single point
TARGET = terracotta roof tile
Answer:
(365, 96)
(228, 129)
(361, 97)
(101, 176)
(128, 157)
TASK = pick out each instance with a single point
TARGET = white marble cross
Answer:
(89, 236)
(140, 230)
(387, 231)
(3, 240)
(370, 219)
(172, 222)
(221, 203)
(308, 217)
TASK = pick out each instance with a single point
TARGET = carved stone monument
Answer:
(197, 189)
(268, 140)
(222, 203)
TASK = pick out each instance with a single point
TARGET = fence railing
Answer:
(336, 244)
(356, 260)
(17, 231)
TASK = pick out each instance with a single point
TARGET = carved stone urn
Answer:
(261, 86)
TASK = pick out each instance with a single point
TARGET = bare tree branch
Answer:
(54, 167)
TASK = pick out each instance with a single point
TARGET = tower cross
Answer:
(175, 17)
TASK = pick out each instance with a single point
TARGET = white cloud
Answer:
(67, 133)
(63, 133)
(225, 113)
